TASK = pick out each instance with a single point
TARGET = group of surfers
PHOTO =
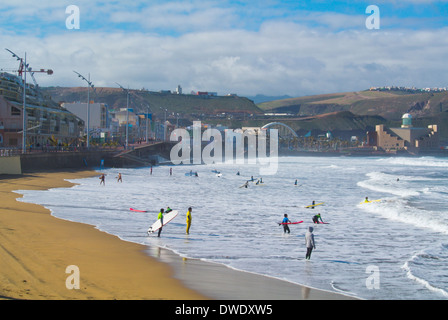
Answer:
(168, 209)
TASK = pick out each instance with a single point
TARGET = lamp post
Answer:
(24, 68)
(90, 85)
(127, 114)
(147, 133)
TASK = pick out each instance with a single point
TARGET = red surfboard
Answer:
(135, 210)
(291, 222)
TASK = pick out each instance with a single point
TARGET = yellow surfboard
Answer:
(370, 201)
(313, 205)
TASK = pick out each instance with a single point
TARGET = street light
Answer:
(24, 67)
(90, 85)
(127, 114)
(147, 116)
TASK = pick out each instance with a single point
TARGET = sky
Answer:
(267, 47)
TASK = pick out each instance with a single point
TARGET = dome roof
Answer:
(407, 116)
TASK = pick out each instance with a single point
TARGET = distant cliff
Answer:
(390, 105)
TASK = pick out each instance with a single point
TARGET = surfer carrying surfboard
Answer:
(160, 217)
(284, 222)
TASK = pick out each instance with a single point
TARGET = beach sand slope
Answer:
(36, 249)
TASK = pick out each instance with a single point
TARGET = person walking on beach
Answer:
(160, 217)
(103, 179)
(309, 242)
(284, 222)
(188, 220)
(119, 178)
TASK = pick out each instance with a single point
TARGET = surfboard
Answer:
(192, 174)
(313, 205)
(281, 223)
(166, 219)
(370, 201)
(135, 210)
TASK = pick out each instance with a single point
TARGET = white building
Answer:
(99, 115)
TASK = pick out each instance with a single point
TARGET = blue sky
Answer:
(244, 47)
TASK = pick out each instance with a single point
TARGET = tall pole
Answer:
(127, 118)
(24, 109)
(88, 113)
(127, 113)
(89, 85)
(164, 128)
(24, 68)
(147, 116)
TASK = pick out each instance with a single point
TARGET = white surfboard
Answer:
(166, 219)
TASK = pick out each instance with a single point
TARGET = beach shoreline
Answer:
(37, 248)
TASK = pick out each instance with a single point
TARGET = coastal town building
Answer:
(406, 138)
(100, 120)
(47, 123)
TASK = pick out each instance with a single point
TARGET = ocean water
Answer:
(396, 248)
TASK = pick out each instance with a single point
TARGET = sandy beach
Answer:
(36, 249)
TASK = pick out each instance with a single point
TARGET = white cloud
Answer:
(211, 54)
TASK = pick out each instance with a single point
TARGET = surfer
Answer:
(314, 202)
(284, 222)
(316, 218)
(160, 217)
(295, 183)
(309, 242)
(168, 209)
(103, 179)
(367, 200)
(188, 220)
(119, 178)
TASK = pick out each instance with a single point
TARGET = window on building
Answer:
(15, 111)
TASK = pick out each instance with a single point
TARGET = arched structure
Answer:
(283, 129)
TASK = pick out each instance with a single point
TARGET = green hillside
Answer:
(158, 102)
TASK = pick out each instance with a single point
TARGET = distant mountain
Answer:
(259, 98)
(390, 105)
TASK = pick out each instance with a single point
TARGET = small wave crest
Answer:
(422, 161)
(427, 269)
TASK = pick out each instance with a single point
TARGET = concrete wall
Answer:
(65, 160)
(10, 165)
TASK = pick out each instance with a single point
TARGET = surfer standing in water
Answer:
(160, 217)
(284, 222)
(188, 220)
(103, 179)
(309, 242)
